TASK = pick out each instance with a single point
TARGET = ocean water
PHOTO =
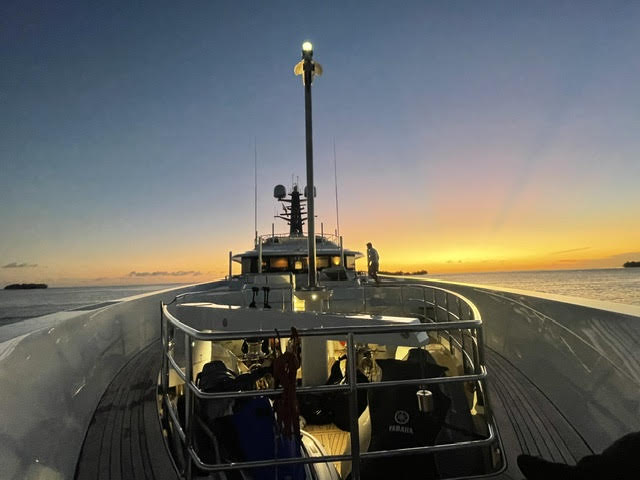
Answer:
(17, 305)
(620, 285)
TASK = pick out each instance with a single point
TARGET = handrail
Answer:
(189, 294)
(319, 331)
(334, 458)
(329, 237)
(475, 313)
(472, 328)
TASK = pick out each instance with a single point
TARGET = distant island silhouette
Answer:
(418, 272)
(631, 264)
(25, 286)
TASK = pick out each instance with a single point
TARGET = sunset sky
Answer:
(470, 136)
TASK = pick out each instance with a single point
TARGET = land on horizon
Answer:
(406, 271)
(26, 286)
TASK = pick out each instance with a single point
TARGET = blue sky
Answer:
(128, 129)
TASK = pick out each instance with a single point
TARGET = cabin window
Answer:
(246, 265)
(335, 261)
(322, 262)
(249, 265)
(279, 263)
(350, 262)
(297, 265)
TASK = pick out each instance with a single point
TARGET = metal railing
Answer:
(320, 238)
(435, 305)
(473, 371)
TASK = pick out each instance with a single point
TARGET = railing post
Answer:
(446, 307)
(188, 406)
(292, 299)
(353, 407)
(435, 313)
(424, 303)
(364, 299)
(165, 351)
(480, 341)
(475, 350)
(465, 365)
(435, 307)
(402, 299)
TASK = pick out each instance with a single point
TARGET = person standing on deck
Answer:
(373, 261)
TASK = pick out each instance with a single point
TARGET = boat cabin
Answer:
(280, 253)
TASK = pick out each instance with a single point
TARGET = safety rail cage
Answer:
(320, 237)
(474, 364)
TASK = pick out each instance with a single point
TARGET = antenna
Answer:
(335, 176)
(255, 185)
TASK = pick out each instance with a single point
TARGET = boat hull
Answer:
(54, 376)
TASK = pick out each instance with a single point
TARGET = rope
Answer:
(285, 368)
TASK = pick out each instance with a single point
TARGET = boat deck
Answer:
(125, 441)
(527, 421)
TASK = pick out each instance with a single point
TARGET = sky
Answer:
(469, 136)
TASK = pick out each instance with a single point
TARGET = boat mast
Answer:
(292, 214)
(335, 177)
(255, 188)
(308, 69)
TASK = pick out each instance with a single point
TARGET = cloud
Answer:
(570, 250)
(179, 273)
(19, 265)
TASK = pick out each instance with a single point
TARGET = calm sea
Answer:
(620, 285)
(17, 305)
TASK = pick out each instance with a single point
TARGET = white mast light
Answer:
(307, 47)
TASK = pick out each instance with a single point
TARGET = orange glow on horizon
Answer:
(403, 244)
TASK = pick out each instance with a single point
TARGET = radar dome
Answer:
(279, 192)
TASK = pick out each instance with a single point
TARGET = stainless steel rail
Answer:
(320, 238)
(469, 329)
(491, 438)
(442, 305)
